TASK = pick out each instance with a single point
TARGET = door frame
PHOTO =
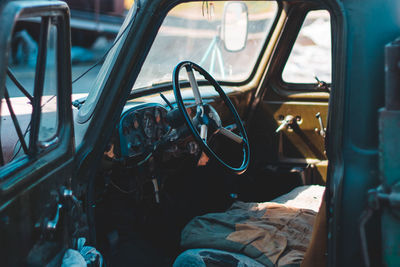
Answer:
(32, 187)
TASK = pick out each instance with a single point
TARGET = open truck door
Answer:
(37, 203)
(384, 200)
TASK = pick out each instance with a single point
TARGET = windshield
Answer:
(192, 31)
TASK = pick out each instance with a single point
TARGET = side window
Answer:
(311, 56)
(49, 118)
(31, 62)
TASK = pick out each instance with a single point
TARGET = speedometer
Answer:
(135, 123)
(148, 125)
(157, 115)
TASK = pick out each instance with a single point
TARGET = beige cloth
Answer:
(274, 234)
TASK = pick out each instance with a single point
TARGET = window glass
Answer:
(21, 67)
(311, 55)
(192, 31)
(48, 119)
(90, 43)
(20, 81)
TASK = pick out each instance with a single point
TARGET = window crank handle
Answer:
(289, 119)
(52, 225)
(322, 132)
(69, 194)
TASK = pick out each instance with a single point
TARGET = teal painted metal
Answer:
(389, 154)
(370, 24)
(389, 147)
(390, 238)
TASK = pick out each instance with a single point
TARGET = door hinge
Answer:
(377, 198)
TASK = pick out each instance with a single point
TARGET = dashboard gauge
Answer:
(135, 123)
(141, 128)
(192, 147)
(135, 144)
(157, 116)
(148, 125)
(160, 133)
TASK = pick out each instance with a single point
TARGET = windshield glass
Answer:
(193, 31)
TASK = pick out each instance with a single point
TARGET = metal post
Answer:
(392, 75)
(389, 154)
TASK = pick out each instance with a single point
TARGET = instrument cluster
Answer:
(141, 128)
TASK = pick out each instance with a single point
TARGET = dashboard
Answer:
(147, 130)
(141, 128)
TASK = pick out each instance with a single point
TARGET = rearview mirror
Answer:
(234, 26)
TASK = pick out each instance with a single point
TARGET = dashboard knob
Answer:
(130, 146)
(192, 147)
(133, 146)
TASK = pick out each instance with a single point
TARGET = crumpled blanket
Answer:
(83, 256)
(273, 234)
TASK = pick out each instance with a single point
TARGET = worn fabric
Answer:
(303, 197)
(273, 234)
(213, 258)
(83, 256)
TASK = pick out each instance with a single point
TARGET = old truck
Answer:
(141, 167)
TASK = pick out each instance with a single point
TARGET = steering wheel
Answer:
(207, 119)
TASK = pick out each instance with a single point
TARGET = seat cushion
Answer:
(213, 258)
(303, 197)
(273, 233)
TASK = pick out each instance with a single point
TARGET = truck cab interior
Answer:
(220, 124)
(187, 146)
(208, 133)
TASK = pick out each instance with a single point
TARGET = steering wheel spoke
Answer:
(194, 85)
(203, 132)
(231, 135)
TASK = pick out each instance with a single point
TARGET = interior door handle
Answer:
(52, 224)
(69, 194)
(322, 130)
(287, 121)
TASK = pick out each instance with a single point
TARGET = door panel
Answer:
(304, 141)
(34, 209)
(299, 145)
(27, 237)
(285, 125)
